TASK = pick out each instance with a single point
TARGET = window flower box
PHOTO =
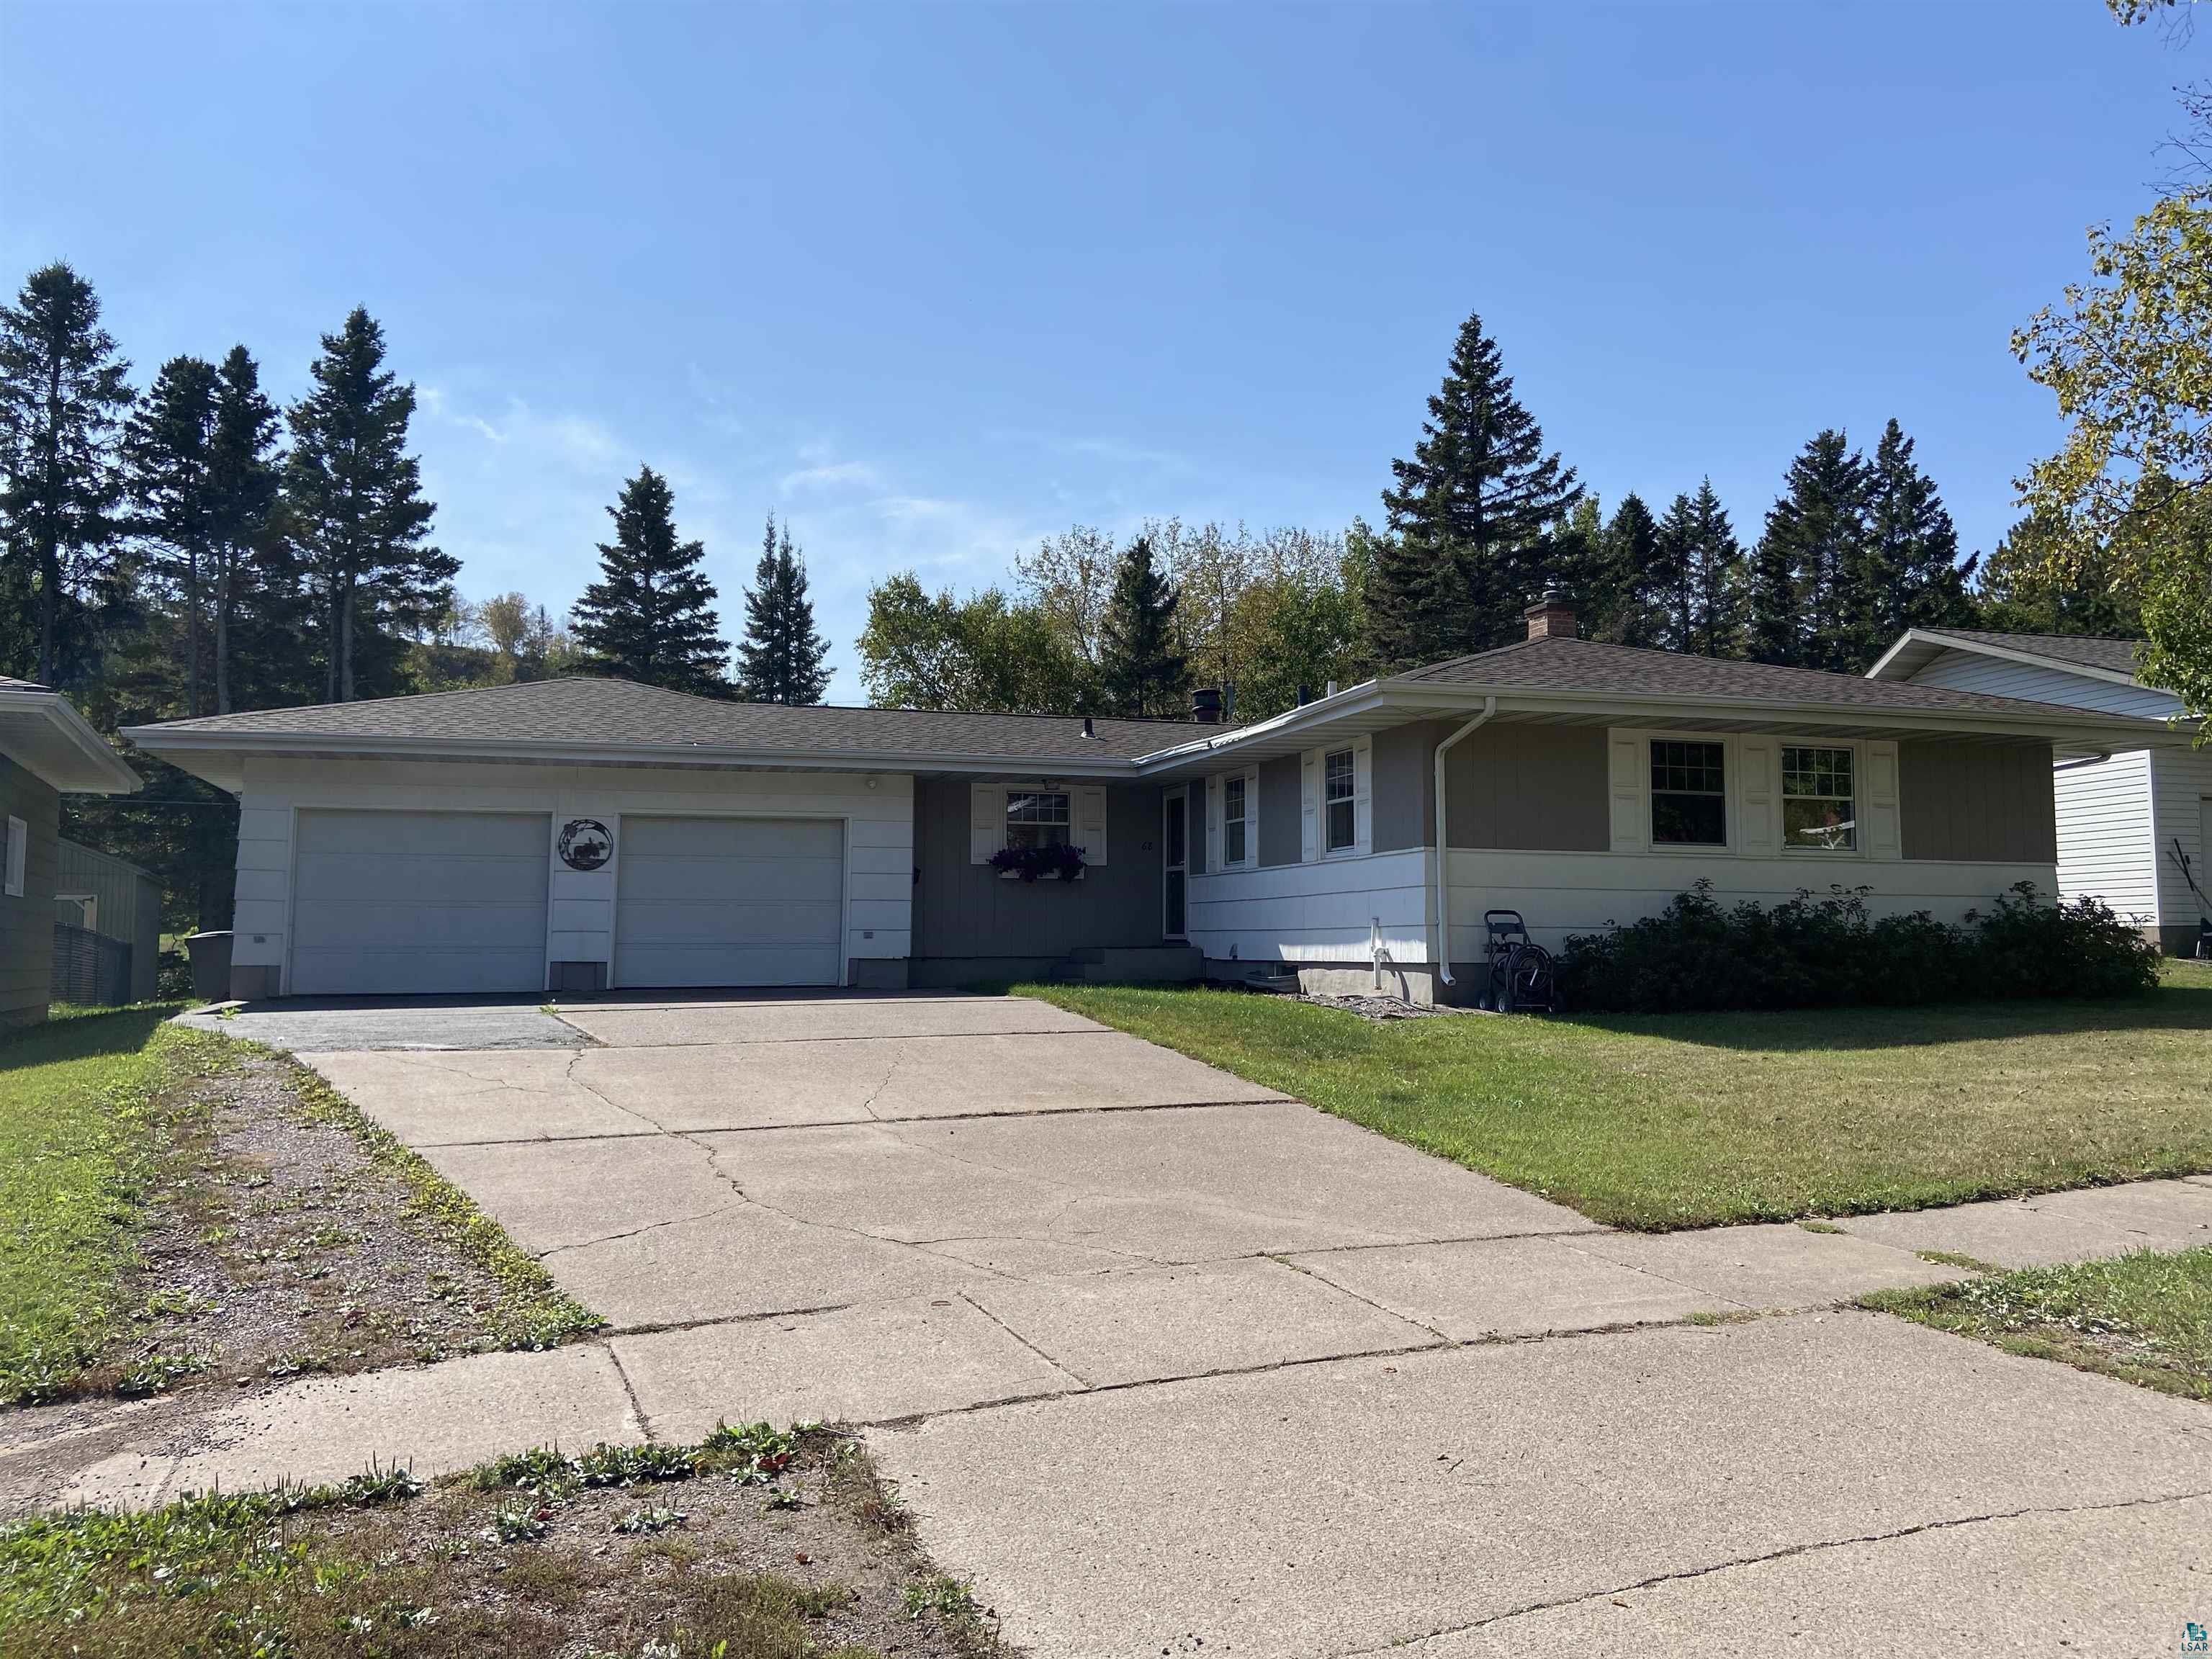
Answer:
(1060, 863)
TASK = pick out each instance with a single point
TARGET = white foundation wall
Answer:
(877, 809)
(1327, 910)
(1562, 893)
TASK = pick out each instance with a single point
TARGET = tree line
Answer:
(194, 549)
(1480, 520)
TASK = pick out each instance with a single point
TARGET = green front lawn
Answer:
(2146, 1317)
(78, 1141)
(1692, 1120)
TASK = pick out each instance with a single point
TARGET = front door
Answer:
(1175, 841)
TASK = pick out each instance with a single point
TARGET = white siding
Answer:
(1564, 893)
(1324, 911)
(2182, 783)
(2104, 835)
(1969, 670)
(877, 810)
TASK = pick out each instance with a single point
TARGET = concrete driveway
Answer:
(1170, 1363)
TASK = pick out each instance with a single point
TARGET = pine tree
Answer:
(1716, 578)
(62, 392)
(1910, 576)
(1637, 556)
(780, 658)
(168, 443)
(255, 581)
(1469, 517)
(356, 510)
(1141, 672)
(650, 617)
(1814, 538)
(2024, 589)
(1668, 593)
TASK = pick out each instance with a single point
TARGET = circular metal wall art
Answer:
(586, 844)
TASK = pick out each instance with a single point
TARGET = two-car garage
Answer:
(419, 902)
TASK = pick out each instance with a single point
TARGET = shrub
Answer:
(1809, 952)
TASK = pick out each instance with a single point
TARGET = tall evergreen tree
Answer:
(357, 509)
(63, 394)
(1910, 576)
(1142, 670)
(1716, 578)
(1669, 590)
(255, 581)
(780, 658)
(1470, 516)
(1637, 556)
(2022, 589)
(650, 617)
(168, 442)
(1814, 540)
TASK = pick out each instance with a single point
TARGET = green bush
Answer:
(1809, 952)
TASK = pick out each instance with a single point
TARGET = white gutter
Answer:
(1443, 845)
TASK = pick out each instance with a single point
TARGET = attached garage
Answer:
(730, 901)
(419, 902)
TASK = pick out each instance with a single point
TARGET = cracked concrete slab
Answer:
(1166, 1185)
(446, 1099)
(2160, 1215)
(1344, 1506)
(303, 1024)
(433, 1418)
(745, 1261)
(1507, 1287)
(2006, 1233)
(821, 1018)
(1781, 1266)
(558, 1195)
(440, 1099)
(1185, 1322)
(2104, 1584)
(852, 1365)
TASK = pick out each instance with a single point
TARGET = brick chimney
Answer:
(1551, 618)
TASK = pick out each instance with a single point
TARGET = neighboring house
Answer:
(107, 928)
(579, 834)
(2122, 811)
(46, 749)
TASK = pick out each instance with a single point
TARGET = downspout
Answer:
(1443, 845)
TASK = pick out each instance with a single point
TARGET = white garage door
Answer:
(729, 902)
(419, 902)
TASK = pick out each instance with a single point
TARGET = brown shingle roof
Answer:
(2114, 656)
(1588, 666)
(604, 713)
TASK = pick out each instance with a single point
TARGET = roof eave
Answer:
(101, 770)
(1934, 643)
(158, 739)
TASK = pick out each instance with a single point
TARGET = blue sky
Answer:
(935, 281)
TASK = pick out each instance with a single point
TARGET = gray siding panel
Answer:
(130, 905)
(1279, 811)
(964, 909)
(1405, 775)
(1529, 789)
(27, 924)
(1988, 801)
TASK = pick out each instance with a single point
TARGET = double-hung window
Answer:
(19, 841)
(1340, 803)
(1235, 820)
(1689, 794)
(1036, 818)
(1818, 808)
